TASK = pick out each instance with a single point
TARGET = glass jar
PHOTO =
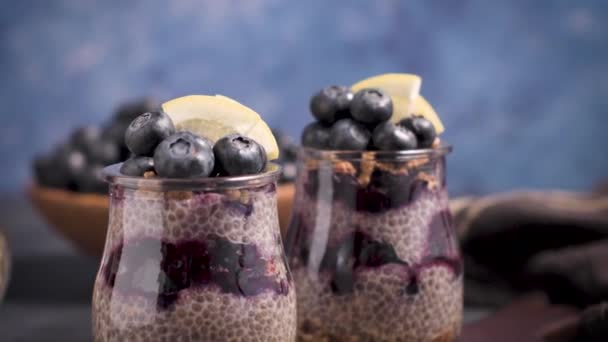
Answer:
(372, 247)
(193, 260)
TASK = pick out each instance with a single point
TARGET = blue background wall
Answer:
(520, 85)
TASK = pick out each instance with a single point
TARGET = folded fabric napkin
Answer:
(555, 242)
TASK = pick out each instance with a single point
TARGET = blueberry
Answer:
(316, 135)
(115, 131)
(388, 136)
(339, 260)
(86, 138)
(48, 174)
(289, 172)
(175, 264)
(224, 254)
(331, 103)
(147, 131)
(70, 163)
(90, 180)
(342, 283)
(137, 166)
(128, 111)
(104, 152)
(413, 287)
(371, 106)
(239, 155)
(288, 149)
(375, 253)
(347, 134)
(289, 153)
(422, 128)
(183, 155)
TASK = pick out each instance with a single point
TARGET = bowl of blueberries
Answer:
(70, 195)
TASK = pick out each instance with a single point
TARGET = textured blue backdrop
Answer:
(520, 85)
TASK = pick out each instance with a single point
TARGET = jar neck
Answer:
(112, 175)
(370, 182)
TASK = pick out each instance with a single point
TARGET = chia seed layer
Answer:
(370, 272)
(194, 266)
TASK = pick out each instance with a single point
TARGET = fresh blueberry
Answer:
(105, 152)
(375, 253)
(184, 155)
(176, 266)
(316, 135)
(347, 134)
(289, 172)
(71, 163)
(48, 174)
(68, 162)
(342, 282)
(340, 262)
(289, 153)
(86, 138)
(389, 137)
(90, 180)
(422, 128)
(371, 106)
(413, 287)
(147, 131)
(137, 166)
(115, 132)
(288, 149)
(224, 255)
(331, 103)
(128, 111)
(239, 155)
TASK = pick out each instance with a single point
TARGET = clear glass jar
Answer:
(372, 247)
(193, 260)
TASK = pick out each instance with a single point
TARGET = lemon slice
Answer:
(404, 89)
(214, 117)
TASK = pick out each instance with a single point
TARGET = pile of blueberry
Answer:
(360, 121)
(75, 164)
(288, 154)
(157, 147)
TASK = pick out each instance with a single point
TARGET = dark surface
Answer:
(49, 294)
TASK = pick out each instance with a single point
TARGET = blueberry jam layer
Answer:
(358, 251)
(153, 267)
(385, 190)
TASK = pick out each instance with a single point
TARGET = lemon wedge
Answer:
(404, 90)
(214, 117)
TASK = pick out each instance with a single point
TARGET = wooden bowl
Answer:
(83, 218)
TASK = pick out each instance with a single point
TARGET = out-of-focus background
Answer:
(520, 85)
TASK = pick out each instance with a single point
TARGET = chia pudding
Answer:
(378, 261)
(193, 250)
(199, 265)
(371, 243)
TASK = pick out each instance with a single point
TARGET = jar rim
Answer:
(112, 175)
(398, 155)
